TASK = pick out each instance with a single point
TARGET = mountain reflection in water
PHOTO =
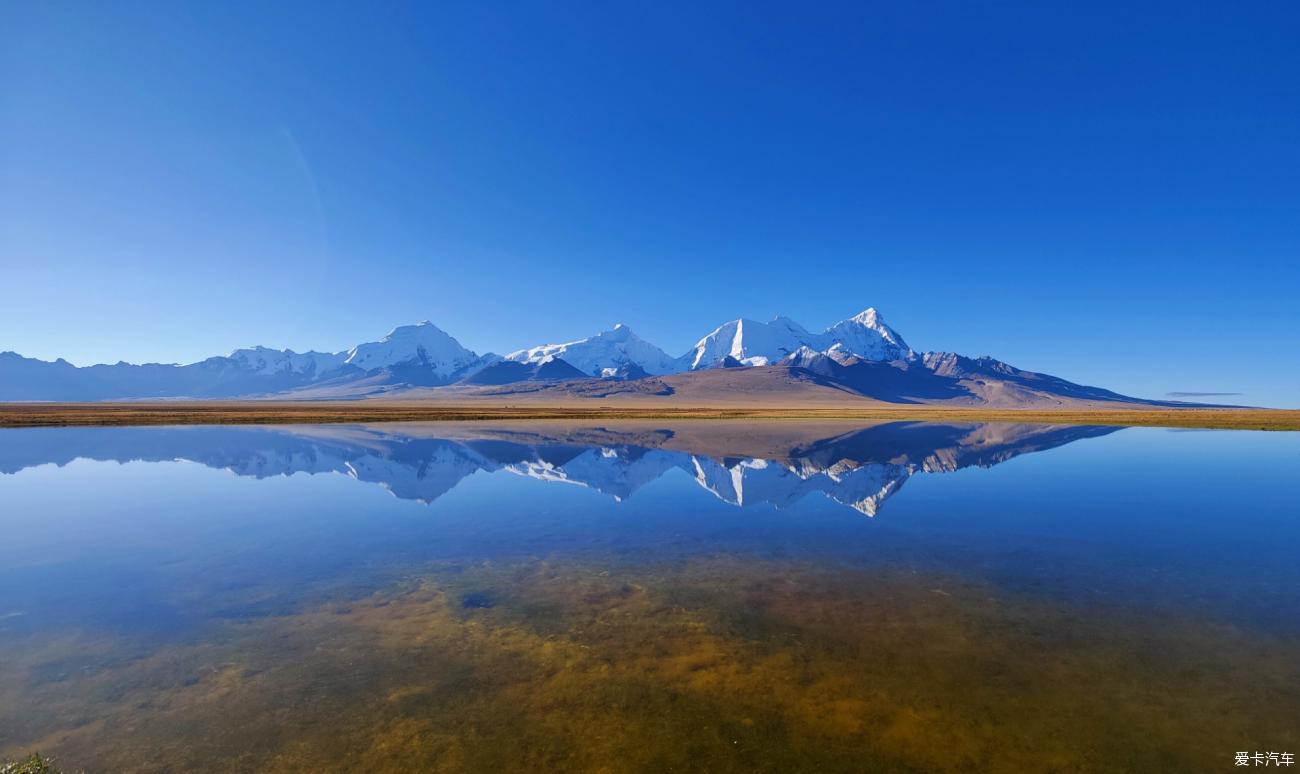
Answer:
(747, 465)
(196, 599)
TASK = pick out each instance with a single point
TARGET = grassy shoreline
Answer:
(256, 412)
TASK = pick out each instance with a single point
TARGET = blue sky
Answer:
(1110, 193)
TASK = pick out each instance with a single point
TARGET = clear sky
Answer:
(1106, 192)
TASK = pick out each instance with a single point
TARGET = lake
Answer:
(709, 596)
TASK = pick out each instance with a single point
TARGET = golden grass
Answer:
(260, 412)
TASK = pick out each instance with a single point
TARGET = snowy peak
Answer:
(266, 361)
(868, 317)
(825, 363)
(868, 336)
(748, 342)
(423, 344)
(865, 335)
(606, 352)
(785, 323)
(861, 355)
(840, 354)
(804, 357)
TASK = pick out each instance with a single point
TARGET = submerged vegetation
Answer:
(721, 664)
(1108, 622)
(32, 764)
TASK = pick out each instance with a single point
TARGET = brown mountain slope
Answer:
(863, 384)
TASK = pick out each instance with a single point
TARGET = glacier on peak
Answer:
(265, 361)
(868, 336)
(605, 353)
(862, 354)
(423, 344)
(864, 335)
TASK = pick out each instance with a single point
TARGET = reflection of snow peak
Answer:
(616, 472)
(861, 469)
(755, 481)
(542, 471)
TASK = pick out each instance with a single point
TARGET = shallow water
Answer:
(637, 597)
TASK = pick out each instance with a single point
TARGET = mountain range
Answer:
(742, 360)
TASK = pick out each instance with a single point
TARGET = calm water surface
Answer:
(710, 596)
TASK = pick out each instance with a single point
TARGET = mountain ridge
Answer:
(753, 343)
(860, 357)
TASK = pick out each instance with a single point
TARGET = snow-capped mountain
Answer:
(867, 336)
(423, 344)
(263, 360)
(603, 354)
(860, 357)
(510, 372)
(748, 342)
(809, 359)
(420, 354)
(751, 343)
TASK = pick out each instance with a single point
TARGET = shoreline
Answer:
(14, 415)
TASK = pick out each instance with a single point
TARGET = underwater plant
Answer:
(32, 764)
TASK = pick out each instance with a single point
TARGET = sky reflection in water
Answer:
(428, 593)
